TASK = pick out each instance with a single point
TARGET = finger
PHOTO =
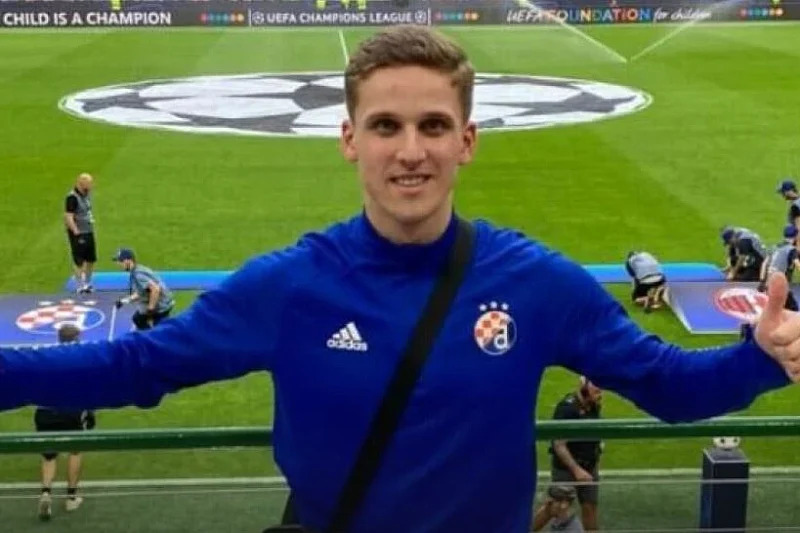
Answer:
(777, 291)
(792, 369)
(783, 334)
(791, 352)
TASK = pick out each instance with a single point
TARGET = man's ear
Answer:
(346, 144)
(469, 139)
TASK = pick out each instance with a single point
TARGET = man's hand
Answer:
(583, 476)
(778, 330)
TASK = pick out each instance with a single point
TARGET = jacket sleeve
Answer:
(229, 331)
(598, 339)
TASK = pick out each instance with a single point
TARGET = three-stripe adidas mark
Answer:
(348, 338)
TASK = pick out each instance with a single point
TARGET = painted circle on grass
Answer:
(312, 104)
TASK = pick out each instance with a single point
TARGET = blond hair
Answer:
(409, 45)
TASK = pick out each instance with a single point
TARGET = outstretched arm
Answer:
(598, 339)
(228, 332)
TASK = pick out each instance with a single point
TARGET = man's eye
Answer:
(434, 126)
(384, 126)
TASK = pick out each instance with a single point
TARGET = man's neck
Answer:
(425, 231)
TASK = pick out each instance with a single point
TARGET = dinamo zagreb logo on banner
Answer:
(495, 330)
(48, 317)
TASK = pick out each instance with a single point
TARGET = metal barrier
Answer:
(257, 436)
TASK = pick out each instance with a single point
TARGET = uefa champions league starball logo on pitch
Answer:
(312, 104)
(743, 303)
(495, 330)
(48, 317)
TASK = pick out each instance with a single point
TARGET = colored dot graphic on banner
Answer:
(761, 13)
(222, 18)
(457, 16)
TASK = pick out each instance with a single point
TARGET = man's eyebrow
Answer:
(438, 114)
(380, 114)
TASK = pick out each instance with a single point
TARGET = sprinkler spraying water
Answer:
(583, 35)
(685, 26)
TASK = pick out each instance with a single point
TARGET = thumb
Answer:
(777, 291)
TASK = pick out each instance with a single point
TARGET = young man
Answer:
(557, 511)
(79, 222)
(784, 258)
(461, 458)
(746, 253)
(47, 419)
(788, 190)
(648, 280)
(576, 461)
(155, 299)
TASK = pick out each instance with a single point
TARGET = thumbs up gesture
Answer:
(778, 330)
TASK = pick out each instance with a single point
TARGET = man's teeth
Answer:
(411, 181)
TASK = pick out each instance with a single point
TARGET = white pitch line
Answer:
(280, 480)
(343, 44)
(112, 322)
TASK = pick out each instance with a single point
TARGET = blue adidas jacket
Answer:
(329, 318)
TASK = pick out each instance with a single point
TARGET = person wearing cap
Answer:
(576, 462)
(557, 511)
(648, 277)
(146, 287)
(79, 223)
(49, 419)
(788, 189)
(746, 253)
(783, 258)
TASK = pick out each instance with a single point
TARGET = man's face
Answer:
(84, 184)
(408, 137)
(125, 264)
(594, 394)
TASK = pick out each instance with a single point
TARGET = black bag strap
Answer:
(405, 377)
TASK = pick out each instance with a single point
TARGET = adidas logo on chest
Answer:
(348, 338)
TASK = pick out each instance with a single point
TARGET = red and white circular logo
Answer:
(744, 303)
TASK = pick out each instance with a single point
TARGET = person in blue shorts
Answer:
(329, 316)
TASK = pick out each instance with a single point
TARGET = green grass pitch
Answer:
(722, 129)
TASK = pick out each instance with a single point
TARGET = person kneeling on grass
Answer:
(154, 297)
(47, 419)
(649, 281)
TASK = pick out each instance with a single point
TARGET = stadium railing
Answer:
(257, 436)
(641, 500)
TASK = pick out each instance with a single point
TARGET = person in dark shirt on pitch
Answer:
(577, 461)
(47, 419)
(79, 222)
(746, 253)
(783, 258)
(788, 190)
